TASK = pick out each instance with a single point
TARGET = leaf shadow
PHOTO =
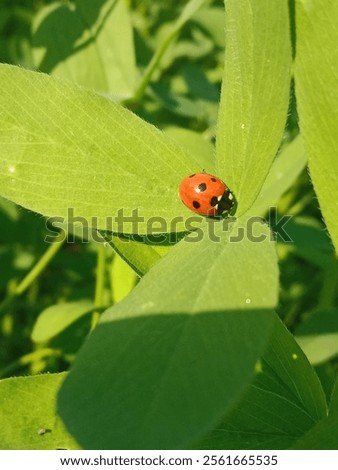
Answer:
(62, 29)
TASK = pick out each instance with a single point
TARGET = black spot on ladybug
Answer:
(196, 204)
(192, 175)
(213, 179)
(201, 187)
(213, 201)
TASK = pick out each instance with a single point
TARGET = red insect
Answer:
(206, 194)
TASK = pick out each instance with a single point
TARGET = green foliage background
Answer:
(208, 345)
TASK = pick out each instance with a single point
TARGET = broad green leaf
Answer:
(90, 43)
(283, 172)
(316, 74)
(55, 319)
(255, 94)
(318, 336)
(175, 355)
(28, 414)
(67, 152)
(284, 401)
(122, 278)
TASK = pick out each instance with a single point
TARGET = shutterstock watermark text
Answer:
(158, 230)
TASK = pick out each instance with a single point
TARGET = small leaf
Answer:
(141, 252)
(318, 336)
(55, 319)
(177, 103)
(28, 415)
(123, 279)
(316, 72)
(255, 94)
(211, 18)
(170, 366)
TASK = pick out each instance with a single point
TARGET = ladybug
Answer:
(206, 194)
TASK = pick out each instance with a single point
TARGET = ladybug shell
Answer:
(202, 192)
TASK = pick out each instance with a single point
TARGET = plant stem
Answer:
(152, 67)
(41, 264)
(34, 272)
(190, 8)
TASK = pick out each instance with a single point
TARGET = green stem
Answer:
(152, 67)
(41, 264)
(190, 8)
(100, 282)
(34, 273)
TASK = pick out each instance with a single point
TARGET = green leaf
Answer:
(317, 97)
(283, 172)
(67, 149)
(255, 94)
(175, 355)
(284, 401)
(122, 277)
(69, 36)
(28, 415)
(55, 319)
